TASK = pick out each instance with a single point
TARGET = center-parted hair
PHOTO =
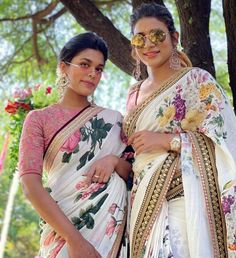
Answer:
(87, 40)
(155, 11)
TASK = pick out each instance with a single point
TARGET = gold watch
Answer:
(175, 144)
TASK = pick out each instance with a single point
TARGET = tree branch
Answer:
(89, 17)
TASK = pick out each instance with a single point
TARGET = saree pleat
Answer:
(98, 211)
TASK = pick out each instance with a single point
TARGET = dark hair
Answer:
(81, 42)
(153, 10)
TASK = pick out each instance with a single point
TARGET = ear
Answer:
(63, 67)
(175, 38)
(134, 54)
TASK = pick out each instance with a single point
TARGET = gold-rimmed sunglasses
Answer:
(156, 36)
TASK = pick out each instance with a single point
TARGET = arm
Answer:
(102, 169)
(148, 141)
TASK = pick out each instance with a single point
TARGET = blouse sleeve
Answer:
(31, 145)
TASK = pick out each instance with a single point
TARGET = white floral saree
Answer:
(97, 211)
(184, 205)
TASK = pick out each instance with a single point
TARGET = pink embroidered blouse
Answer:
(39, 128)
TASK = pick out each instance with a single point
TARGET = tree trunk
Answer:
(229, 10)
(194, 21)
(89, 17)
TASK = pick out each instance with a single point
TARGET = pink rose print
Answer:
(81, 185)
(112, 208)
(71, 143)
(111, 225)
(49, 238)
(57, 249)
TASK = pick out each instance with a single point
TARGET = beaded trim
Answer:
(176, 186)
(130, 120)
(155, 195)
(204, 152)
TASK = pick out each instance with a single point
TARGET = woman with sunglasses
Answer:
(78, 144)
(183, 129)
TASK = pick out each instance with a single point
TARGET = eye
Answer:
(84, 65)
(99, 69)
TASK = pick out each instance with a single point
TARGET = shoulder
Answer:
(38, 115)
(134, 88)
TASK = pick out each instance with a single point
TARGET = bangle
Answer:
(175, 144)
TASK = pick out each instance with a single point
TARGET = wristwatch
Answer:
(175, 144)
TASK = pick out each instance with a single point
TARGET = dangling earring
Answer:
(137, 70)
(92, 100)
(61, 82)
(174, 60)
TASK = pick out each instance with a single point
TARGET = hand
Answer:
(148, 141)
(102, 169)
(80, 248)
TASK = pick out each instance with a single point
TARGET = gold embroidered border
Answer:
(131, 119)
(205, 154)
(116, 246)
(61, 137)
(152, 202)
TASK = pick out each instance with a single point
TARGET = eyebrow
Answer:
(90, 61)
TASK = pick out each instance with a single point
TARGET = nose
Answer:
(147, 42)
(92, 73)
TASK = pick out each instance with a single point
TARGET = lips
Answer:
(88, 83)
(151, 53)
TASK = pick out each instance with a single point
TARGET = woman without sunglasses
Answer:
(182, 128)
(78, 144)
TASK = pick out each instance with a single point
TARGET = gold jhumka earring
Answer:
(61, 82)
(174, 60)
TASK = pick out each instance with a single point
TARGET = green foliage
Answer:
(24, 101)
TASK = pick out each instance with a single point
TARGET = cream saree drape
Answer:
(187, 215)
(97, 211)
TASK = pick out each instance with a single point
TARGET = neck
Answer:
(72, 99)
(159, 74)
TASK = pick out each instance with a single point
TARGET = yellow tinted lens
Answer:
(157, 36)
(138, 41)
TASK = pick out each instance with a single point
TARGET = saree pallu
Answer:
(98, 211)
(184, 205)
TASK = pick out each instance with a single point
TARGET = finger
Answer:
(89, 175)
(132, 137)
(141, 149)
(96, 175)
(106, 178)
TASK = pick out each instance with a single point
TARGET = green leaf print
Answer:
(85, 218)
(66, 157)
(97, 131)
(100, 190)
(76, 149)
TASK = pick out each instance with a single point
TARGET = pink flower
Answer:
(48, 90)
(21, 94)
(112, 208)
(110, 228)
(81, 185)
(37, 86)
(71, 143)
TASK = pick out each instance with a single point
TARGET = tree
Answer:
(95, 16)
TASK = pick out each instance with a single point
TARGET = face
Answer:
(84, 71)
(155, 47)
